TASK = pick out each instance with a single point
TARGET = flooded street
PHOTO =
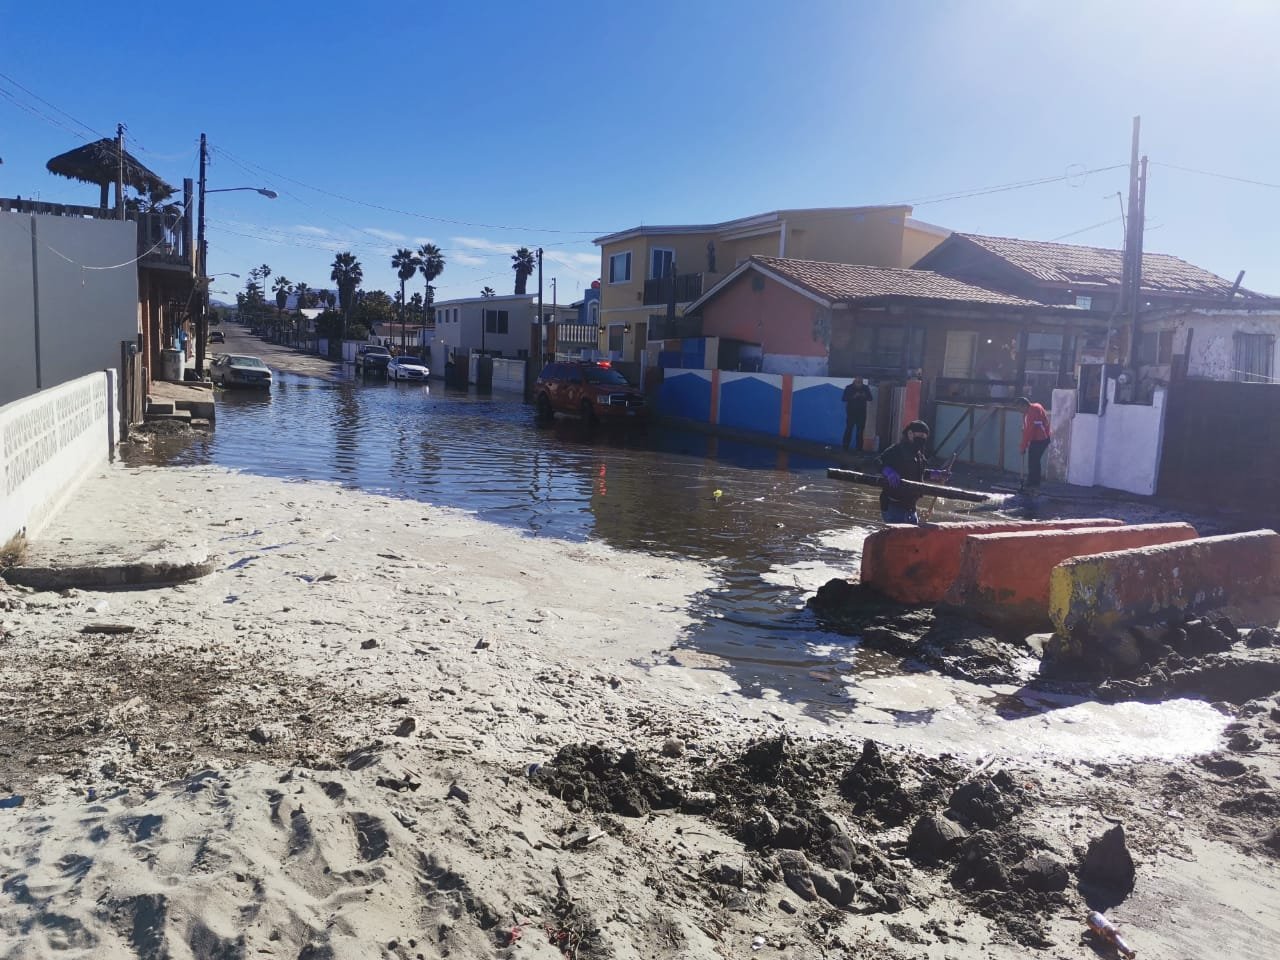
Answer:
(777, 531)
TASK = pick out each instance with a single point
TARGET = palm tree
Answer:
(282, 287)
(405, 264)
(488, 292)
(523, 262)
(304, 293)
(430, 265)
(347, 274)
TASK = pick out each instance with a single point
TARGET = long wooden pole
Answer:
(912, 486)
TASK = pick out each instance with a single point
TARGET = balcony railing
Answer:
(688, 288)
(677, 328)
(162, 241)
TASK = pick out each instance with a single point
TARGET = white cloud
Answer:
(390, 235)
(314, 231)
(465, 260)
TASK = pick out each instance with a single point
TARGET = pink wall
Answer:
(775, 316)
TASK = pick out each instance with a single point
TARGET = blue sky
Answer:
(486, 126)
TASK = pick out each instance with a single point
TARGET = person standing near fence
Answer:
(1035, 440)
(856, 396)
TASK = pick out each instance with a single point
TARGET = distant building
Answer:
(499, 326)
(647, 269)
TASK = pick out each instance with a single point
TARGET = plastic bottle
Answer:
(1106, 930)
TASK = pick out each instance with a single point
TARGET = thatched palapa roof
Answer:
(99, 162)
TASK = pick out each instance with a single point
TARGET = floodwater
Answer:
(770, 525)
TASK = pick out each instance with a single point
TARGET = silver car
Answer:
(407, 368)
(234, 370)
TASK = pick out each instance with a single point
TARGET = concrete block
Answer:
(917, 565)
(1108, 591)
(98, 564)
(1004, 577)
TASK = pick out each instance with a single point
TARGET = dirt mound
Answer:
(604, 781)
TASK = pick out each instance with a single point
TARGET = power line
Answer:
(1005, 187)
(1219, 176)
(52, 106)
(408, 213)
(1092, 226)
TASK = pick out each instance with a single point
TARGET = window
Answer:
(616, 334)
(891, 347)
(620, 268)
(1254, 357)
(1155, 347)
(593, 313)
(1084, 303)
(660, 262)
(495, 321)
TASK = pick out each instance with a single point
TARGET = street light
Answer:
(202, 317)
(269, 194)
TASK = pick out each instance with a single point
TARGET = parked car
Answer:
(407, 368)
(372, 358)
(217, 337)
(592, 390)
(234, 370)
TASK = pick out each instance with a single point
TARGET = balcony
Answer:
(658, 292)
(162, 241)
(678, 328)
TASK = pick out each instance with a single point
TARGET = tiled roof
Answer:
(839, 282)
(1069, 263)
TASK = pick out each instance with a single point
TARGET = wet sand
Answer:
(350, 741)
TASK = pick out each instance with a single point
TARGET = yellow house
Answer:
(643, 269)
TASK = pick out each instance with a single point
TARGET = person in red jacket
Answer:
(1035, 440)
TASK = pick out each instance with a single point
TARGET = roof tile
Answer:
(847, 282)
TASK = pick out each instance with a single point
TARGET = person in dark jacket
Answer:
(905, 460)
(856, 396)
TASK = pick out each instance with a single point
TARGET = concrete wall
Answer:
(48, 443)
(1119, 449)
(1212, 337)
(1004, 577)
(918, 564)
(87, 304)
(1106, 592)
(508, 375)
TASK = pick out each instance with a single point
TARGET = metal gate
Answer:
(1222, 445)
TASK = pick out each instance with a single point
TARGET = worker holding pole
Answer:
(906, 460)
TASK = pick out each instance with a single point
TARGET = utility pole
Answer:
(553, 311)
(1124, 304)
(1135, 304)
(542, 330)
(202, 270)
(119, 171)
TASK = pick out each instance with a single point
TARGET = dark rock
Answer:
(1242, 742)
(260, 736)
(797, 874)
(1222, 766)
(982, 804)
(673, 747)
(1041, 873)
(935, 839)
(874, 787)
(369, 644)
(837, 849)
(760, 830)
(406, 727)
(1271, 842)
(980, 866)
(457, 793)
(763, 760)
(793, 833)
(1108, 864)
(839, 888)
(786, 906)
(1262, 637)
(727, 872)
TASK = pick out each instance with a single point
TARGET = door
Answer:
(957, 362)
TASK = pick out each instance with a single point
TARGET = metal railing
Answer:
(688, 287)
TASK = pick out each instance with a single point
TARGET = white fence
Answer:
(1119, 449)
(49, 442)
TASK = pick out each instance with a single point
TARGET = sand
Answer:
(336, 745)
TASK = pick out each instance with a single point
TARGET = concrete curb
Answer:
(90, 565)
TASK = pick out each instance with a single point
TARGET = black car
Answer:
(372, 359)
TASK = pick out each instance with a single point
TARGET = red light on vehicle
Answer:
(604, 363)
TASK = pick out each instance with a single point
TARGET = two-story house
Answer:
(650, 274)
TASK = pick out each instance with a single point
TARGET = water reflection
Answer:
(778, 529)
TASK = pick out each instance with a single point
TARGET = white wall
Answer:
(1212, 342)
(49, 441)
(1119, 449)
(17, 309)
(799, 365)
(508, 375)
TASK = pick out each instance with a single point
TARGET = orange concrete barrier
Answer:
(1106, 592)
(1004, 577)
(918, 564)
